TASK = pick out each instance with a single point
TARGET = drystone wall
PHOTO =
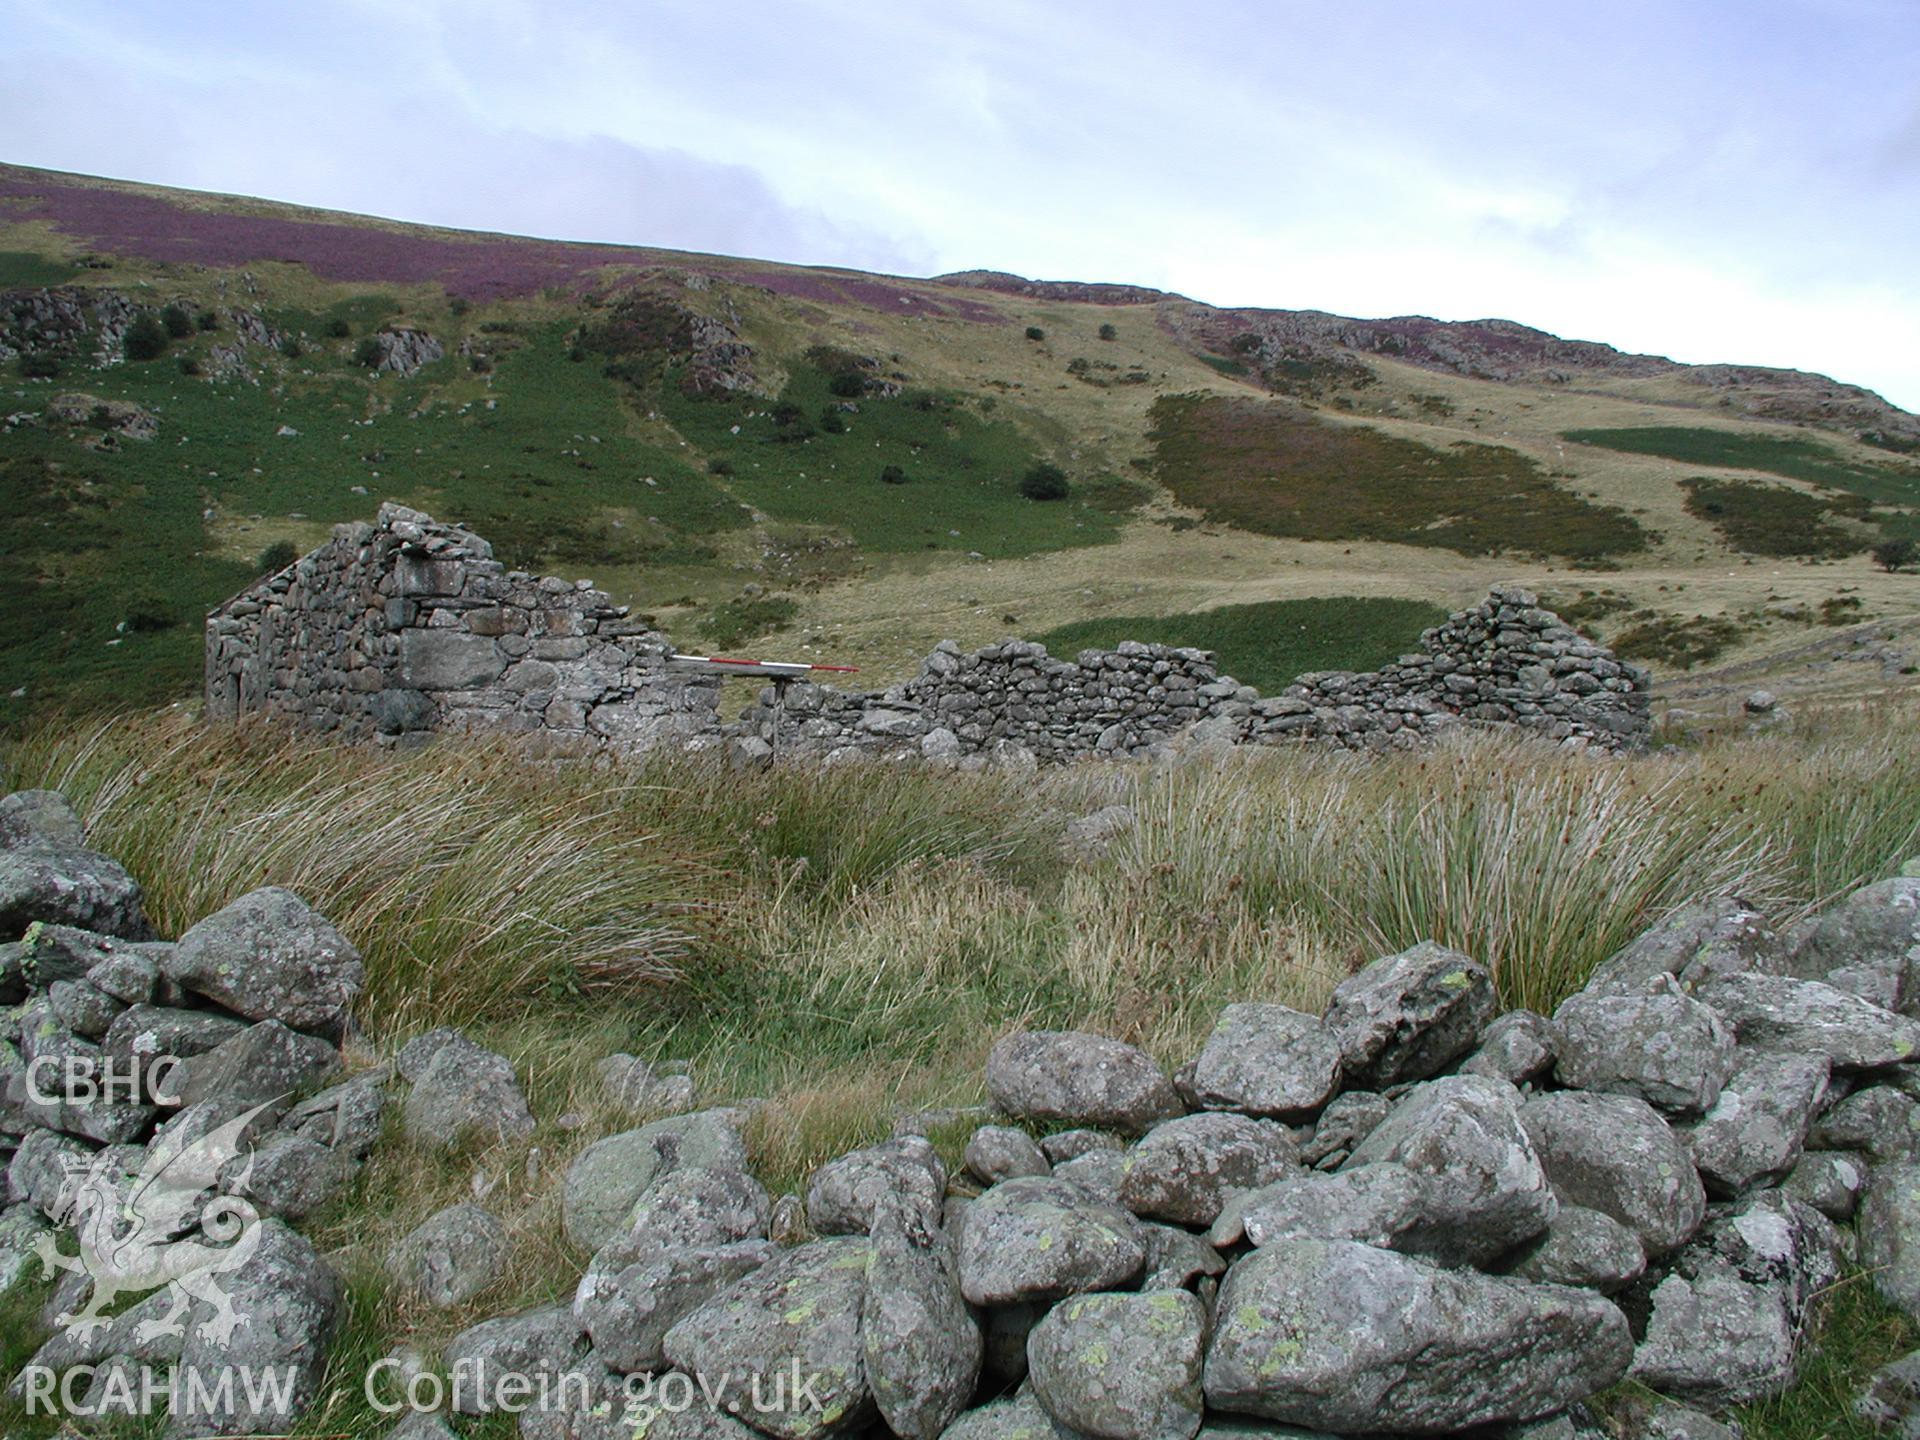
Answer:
(1406, 1213)
(408, 626)
(1506, 661)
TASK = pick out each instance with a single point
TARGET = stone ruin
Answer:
(409, 626)
(1407, 1214)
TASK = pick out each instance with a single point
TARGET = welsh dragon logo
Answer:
(169, 1226)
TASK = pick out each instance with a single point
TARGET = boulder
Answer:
(1614, 1154)
(1485, 1189)
(1121, 1367)
(921, 1344)
(30, 818)
(1581, 1247)
(466, 1092)
(632, 1295)
(1724, 1325)
(1264, 1060)
(1342, 1125)
(1829, 1180)
(1064, 1077)
(1726, 936)
(1867, 944)
(802, 1309)
(1665, 1047)
(285, 1301)
(1878, 1121)
(345, 1117)
(1000, 1152)
(491, 1362)
(1888, 1224)
(263, 1062)
(1337, 1336)
(1890, 1400)
(451, 1257)
(1065, 1145)
(271, 956)
(1037, 1239)
(1184, 1169)
(1756, 1129)
(1019, 1418)
(692, 1206)
(1516, 1048)
(607, 1179)
(1408, 1016)
(289, 1177)
(1777, 1012)
(61, 885)
(1374, 1204)
(842, 1194)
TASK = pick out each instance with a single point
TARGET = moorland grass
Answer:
(849, 942)
(1274, 469)
(1268, 643)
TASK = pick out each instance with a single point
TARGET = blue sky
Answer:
(1716, 180)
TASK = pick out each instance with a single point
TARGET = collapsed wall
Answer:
(409, 626)
(1505, 661)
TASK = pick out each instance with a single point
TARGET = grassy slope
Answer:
(848, 942)
(1266, 645)
(866, 574)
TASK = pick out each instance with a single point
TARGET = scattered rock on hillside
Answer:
(1868, 944)
(451, 1257)
(39, 817)
(466, 1091)
(843, 1194)
(1184, 1169)
(608, 1177)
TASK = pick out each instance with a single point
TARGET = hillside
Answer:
(829, 464)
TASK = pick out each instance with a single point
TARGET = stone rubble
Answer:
(1408, 1215)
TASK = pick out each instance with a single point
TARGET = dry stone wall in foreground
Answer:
(1409, 1214)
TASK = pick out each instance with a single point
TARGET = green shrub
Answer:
(206, 321)
(892, 475)
(338, 328)
(719, 465)
(40, 366)
(369, 352)
(832, 422)
(1107, 332)
(748, 617)
(1896, 554)
(148, 612)
(178, 323)
(276, 557)
(848, 385)
(1045, 482)
(291, 347)
(189, 365)
(146, 338)
(1034, 332)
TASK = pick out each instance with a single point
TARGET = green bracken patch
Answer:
(1276, 470)
(1679, 641)
(1267, 644)
(1797, 459)
(1762, 519)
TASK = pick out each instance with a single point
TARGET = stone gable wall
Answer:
(409, 626)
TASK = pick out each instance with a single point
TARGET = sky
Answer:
(1714, 180)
